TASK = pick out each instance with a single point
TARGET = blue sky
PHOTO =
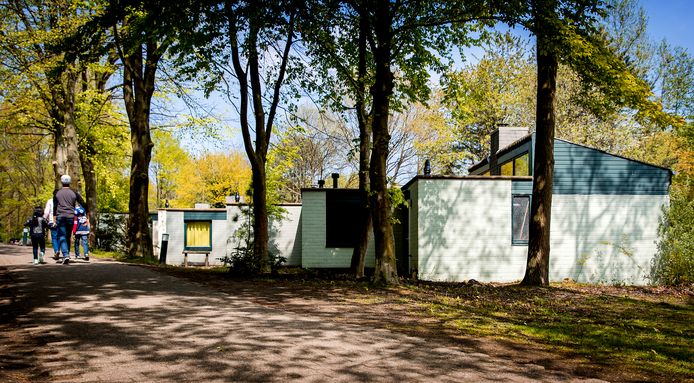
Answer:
(672, 20)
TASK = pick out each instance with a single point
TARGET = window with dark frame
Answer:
(520, 219)
(507, 168)
(521, 165)
(518, 166)
(343, 212)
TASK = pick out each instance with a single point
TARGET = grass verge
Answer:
(640, 329)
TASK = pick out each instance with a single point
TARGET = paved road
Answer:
(110, 322)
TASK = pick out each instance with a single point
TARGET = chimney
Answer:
(502, 137)
(427, 167)
(321, 183)
(335, 177)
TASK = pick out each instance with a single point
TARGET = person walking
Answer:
(81, 233)
(37, 230)
(64, 214)
(48, 215)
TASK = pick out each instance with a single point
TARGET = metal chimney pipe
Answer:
(321, 183)
(335, 177)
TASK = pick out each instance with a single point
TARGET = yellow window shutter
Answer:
(198, 234)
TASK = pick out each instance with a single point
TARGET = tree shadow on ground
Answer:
(87, 318)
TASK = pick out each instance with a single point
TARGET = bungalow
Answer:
(605, 216)
(215, 231)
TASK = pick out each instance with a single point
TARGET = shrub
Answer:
(243, 262)
(110, 232)
(674, 262)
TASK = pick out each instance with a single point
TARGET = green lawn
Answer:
(641, 329)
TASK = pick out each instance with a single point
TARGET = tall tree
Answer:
(33, 54)
(344, 64)
(402, 38)
(95, 119)
(243, 49)
(143, 31)
(566, 32)
(545, 29)
(246, 40)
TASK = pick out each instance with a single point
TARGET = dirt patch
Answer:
(18, 362)
(404, 310)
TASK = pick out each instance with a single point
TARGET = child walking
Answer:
(37, 229)
(81, 232)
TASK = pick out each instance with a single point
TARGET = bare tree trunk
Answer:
(257, 154)
(384, 241)
(65, 150)
(261, 233)
(138, 86)
(90, 192)
(537, 269)
(359, 254)
(139, 236)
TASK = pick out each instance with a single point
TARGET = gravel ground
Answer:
(105, 321)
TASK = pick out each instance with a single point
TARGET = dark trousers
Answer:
(36, 243)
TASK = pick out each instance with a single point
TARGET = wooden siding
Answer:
(522, 187)
(314, 254)
(205, 215)
(464, 231)
(285, 238)
(604, 238)
(582, 170)
(461, 230)
(413, 238)
(285, 235)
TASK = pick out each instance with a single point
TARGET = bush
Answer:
(674, 262)
(243, 262)
(110, 232)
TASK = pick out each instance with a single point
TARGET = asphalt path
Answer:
(105, 321)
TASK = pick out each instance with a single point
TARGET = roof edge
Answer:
(468, 177)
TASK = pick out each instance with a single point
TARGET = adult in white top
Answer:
(48, 215)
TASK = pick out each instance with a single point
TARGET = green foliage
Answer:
(397, 200)
(110, 233)
(25, 172)
(676, 80)
(105, 140)
(242, 262)
(168, 160)
(210, 179)
(674, 262)
(499, 88)
(601, 70)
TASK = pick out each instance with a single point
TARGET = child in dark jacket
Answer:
(37, 229)
(81, 230)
